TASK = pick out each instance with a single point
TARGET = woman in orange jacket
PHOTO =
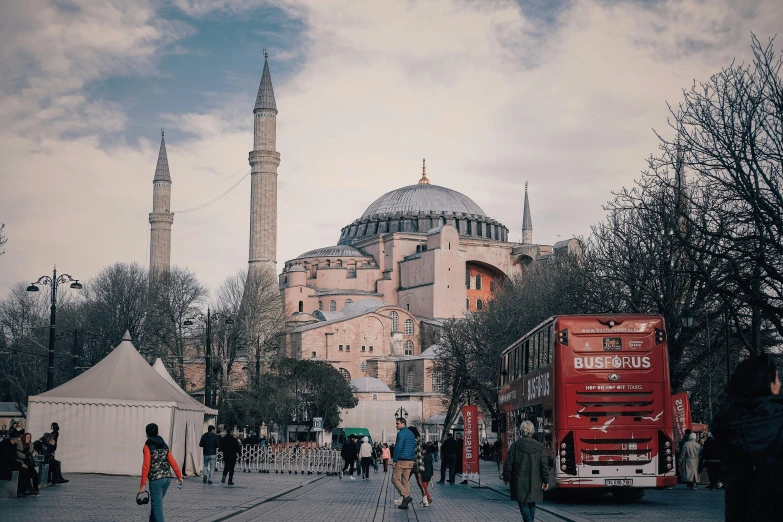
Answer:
(157, 461)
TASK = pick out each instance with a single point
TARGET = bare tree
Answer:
(3, 239)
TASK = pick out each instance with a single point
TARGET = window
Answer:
(339, 262)
(470, 228)
(345, 374)
(371, 348)
(478, 281)
(341, 348)
(348, 301)
(478, 227)
(301, 306)
(408, 306)
(351, 272)
(479, 305)
(332, 305)
(467, 303)
(437, 382)
(363, 366)
(394, 319)
(408, 347)
(408, 327)
(491, 286)
(375, 396)
(364, 349)
(467, 278)
(347, 347)
(313, 355)
(320, 305)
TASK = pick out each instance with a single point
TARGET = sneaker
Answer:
(695, 487)
(205, 479)
(230, 483)
(425, 502)
(352, 477)
(209, 482)
(399, 501)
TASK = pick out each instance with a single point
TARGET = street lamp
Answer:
(54, 282)
(400, 413)
(208, 352)
(687, 317)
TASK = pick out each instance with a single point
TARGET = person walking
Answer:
(710, 455)
(157, 466)
(426, 474)
(404, 460)
(365, 454)
(527, 470)
(385, 456)
(418, 467)
(210, 442)
(750, 433)
(448, 461)
(689, 459)
(229, 446)
(348, 453)
(376, 455)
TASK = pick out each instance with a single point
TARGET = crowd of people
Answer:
(19, 453)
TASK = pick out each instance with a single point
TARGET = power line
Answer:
(208, 203)
(240, 169)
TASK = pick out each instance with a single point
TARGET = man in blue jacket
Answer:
(404, 458)
(210, 442)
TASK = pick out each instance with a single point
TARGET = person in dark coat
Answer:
(210, 443)
(49, 445)
(426, 474)
(25, 453)
(527, 470)
(750, 434)
(9, 463)
(710, 456)
(448, 452)
(349, 453)
(229, 446)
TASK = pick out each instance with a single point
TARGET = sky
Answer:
(563, 94)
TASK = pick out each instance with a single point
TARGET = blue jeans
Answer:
(528, 510)
(209, 466)
(158, 490)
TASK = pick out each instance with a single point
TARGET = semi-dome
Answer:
(334, 251)
(423, 198)
(369, 385)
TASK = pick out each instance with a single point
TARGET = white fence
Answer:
(291, 460)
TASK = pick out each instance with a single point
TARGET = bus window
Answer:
(534, 353)
(526, 357)
(517, 361)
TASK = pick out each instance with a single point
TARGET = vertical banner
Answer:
(470, 451)
(682, 414)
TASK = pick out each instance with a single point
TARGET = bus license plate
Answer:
(618, 483)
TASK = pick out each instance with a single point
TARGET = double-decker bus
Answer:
(596, 387)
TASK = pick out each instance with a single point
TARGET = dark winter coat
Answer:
(8, 462)
(426, 475)
(350, 451)
(449, 447)
(210, 442)
(750, 434)
(711, 451)
(526, 469)
(229, 446)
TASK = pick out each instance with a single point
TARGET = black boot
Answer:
(406, 503)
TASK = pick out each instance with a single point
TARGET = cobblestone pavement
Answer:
(326, 498)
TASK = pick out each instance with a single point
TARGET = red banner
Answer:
(682, 414)
(470, 451)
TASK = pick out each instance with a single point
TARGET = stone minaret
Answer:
(264, 160)
(161, 218)
(527, 222)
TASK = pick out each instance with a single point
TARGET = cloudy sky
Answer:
(564, 94)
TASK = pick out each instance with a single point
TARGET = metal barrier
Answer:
(283, 459)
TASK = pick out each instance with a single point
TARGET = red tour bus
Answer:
(596, 387)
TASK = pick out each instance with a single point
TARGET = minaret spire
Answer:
(424, 180)
(527, 222)
(161, 218)
(264, 160)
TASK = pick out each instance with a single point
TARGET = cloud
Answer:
(492, 94)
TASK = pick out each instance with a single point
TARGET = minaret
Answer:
(264, 160)
(527, 222)
(161, 218)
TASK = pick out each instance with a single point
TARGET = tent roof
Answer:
(122, 375)
(161, 369)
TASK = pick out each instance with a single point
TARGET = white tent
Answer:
(102, 414)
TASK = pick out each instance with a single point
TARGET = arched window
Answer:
(394, 319)
(479, 304)
(301, 306)
(332, 305)
(345, 374)
(408, 347)
(467, 304)
(467, 278)
(348, 301)
(364, 367)
(320, 305)
(437, 382)
(478, 281)
(408, 327)
(339, 262)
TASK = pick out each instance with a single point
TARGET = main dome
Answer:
(423, 198)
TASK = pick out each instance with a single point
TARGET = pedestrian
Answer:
(418, 467)
(210, 442)
(25, 454)
(9, 463)
(404, 460)
(48, 445)
(750, 433)
(348, 453)
(710, 455)
(376, 455)
(448, 451)
(434, 450)
(385, 456)
(685, 438)
(689, 459)
(426, 474)
(157, 466)
(365, 454)
(229, 446)
(3, 432)
(527, 470)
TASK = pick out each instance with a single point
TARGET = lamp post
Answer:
(54, 283)
(399, 414)
(208, 350)
(687, 317)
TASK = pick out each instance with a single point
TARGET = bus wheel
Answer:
(628, 494)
